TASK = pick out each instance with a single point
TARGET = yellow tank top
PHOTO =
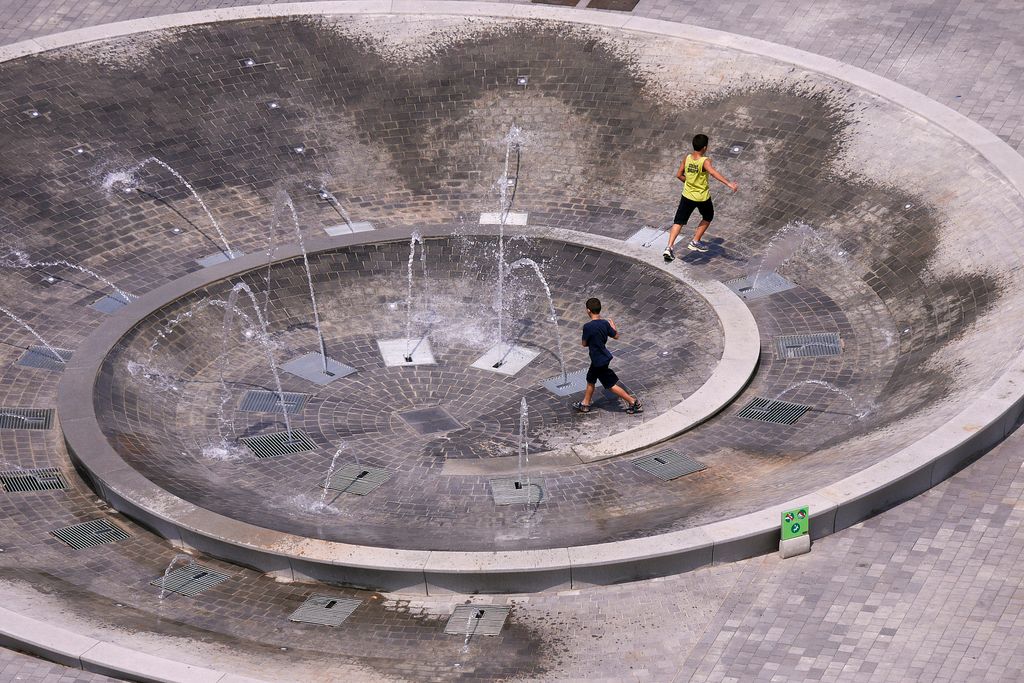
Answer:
(696, 185)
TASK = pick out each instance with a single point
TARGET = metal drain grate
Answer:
(279, 443)
(572, 383)
(42, 357)
(259, 401)
(192, 579)
(512, 491)
(88, 534)
(477, 620)
(357, 479)
(668, 465)
(770, 410)
(26, 418)
(808, 345)
(43, 479)
(325, 610)
(752, 287)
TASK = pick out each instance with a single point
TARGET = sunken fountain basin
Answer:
(140, 405)
(433, 525)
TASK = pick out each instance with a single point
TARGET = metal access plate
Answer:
(357, 479)
(511, 358)
(259, 401)
(477, 620)
(513, 218)
(573, 383)
(770, 410)
(430, 420)
(735, 149)
(393, 351)
(41, 357)
(88, 534)
(311, 368)
(192, 579)
(765, 285)
(346, 229)
(668, 464)
(215, 258)
(808, 345)
(649, 238)
(109, 304)
(325, 610)
(43, 479)
(513, 492)
(26, 418)
(277, 443)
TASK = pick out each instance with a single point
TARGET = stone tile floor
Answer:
(930, 590)
(15, 666)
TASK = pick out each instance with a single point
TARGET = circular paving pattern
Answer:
(892, 339)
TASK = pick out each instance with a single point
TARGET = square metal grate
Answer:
(808, 345)
(668, 464)
(279, 443)
(26, 418)
(477, 620)
(259, 401)
(43, 479)
(766, 284)
(572, 383)
(42, 357)
(192, 579)
(770, 410)
(88, 534)
(430, 420)
(512, 491)
(109, 304)
(325, 610)
(310, 367)
(357, 479)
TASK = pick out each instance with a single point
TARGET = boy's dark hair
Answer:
(594, 305)
(700, 141)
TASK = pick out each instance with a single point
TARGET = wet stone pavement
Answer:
(930, 590)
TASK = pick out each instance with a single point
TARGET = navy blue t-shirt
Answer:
(595, 334)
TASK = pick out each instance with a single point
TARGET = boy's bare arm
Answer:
(681, 173)
(614, 328)
(719, 177)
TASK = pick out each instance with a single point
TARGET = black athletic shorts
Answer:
(686, 207)
(605, 374)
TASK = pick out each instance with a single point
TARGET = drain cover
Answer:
(770, 410)
(88, 534)
(477, 620)
(192, 579)
(44, 479)
(109, 304)
(512, 491)
(325, 610)
(808, 345)
(667, 465)
(26, 418)
(430, 420)
(734, 149)
(572, 383)
(42, 357)
(259, 401)
(752, 287)
(310, 367)
(357, 479)
(278, 443)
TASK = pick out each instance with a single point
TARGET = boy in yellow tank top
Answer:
(693, 173)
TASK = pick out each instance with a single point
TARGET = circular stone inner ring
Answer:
(392, 569)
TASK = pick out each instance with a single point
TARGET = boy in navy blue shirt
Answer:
(595, 336)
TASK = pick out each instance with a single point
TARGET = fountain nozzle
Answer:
(408, 359)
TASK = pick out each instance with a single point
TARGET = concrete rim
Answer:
(905, 474)
(130, 492)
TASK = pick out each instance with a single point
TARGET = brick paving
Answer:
(930, 590)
